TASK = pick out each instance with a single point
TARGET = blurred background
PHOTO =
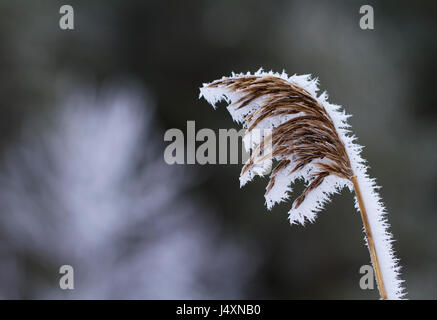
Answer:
(83, 180)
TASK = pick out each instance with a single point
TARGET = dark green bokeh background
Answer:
(385, 77)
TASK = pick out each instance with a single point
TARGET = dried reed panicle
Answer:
(306, 137)
(309, 139)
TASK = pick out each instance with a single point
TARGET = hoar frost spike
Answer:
(309, 139)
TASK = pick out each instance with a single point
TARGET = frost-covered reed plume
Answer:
(309, 140)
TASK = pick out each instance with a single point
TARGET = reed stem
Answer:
(371, 243)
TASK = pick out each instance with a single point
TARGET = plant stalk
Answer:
(370, 242)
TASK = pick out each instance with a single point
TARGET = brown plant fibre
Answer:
(309, 135)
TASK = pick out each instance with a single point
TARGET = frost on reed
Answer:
(309, 139)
